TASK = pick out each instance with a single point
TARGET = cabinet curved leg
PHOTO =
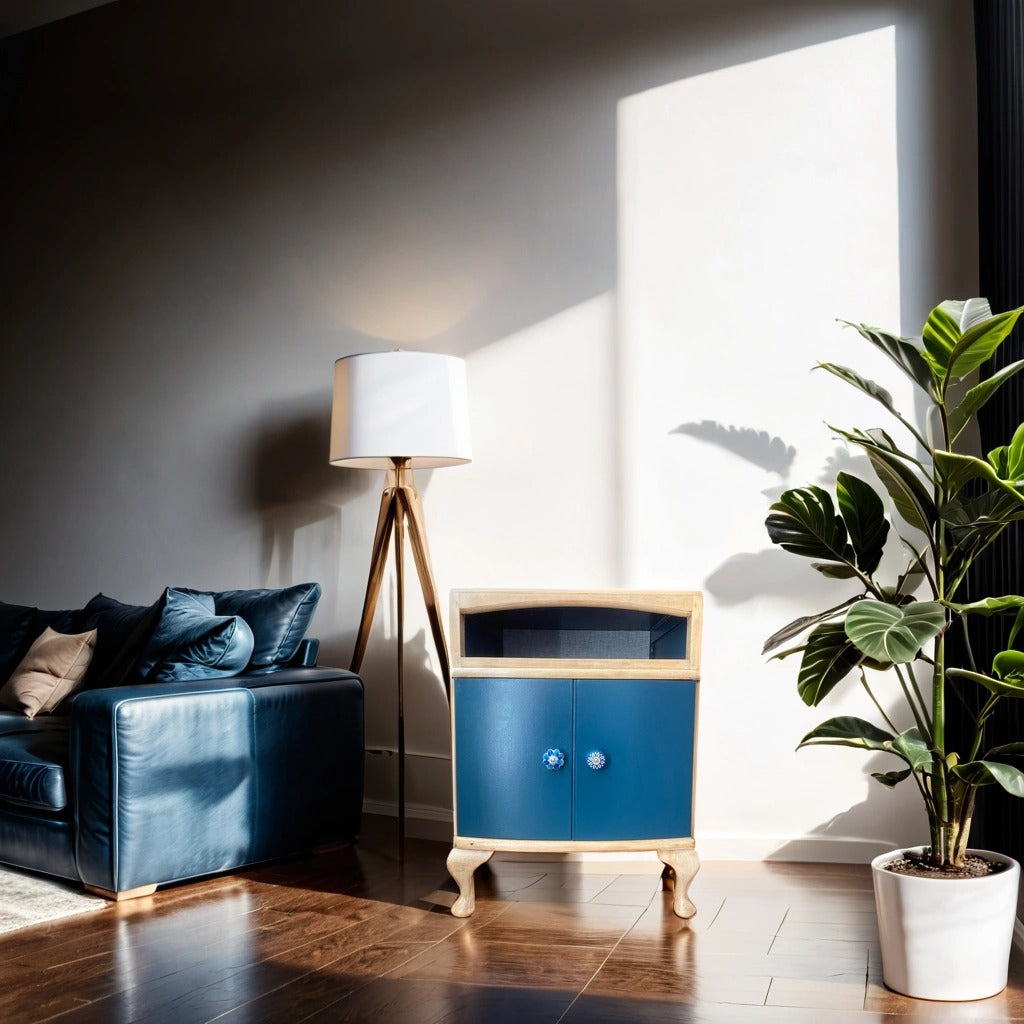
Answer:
(461, 865)
(684, 864)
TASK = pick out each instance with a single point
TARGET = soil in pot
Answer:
(917, 866)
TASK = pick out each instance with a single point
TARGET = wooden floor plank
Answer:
(364, 933)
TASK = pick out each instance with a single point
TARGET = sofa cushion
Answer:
(122, 631)
(278, 618)
(60, 620)
(190, 642)
(33, 761)
(16, 636)
(52, 668)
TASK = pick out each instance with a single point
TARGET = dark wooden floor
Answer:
(357, 935)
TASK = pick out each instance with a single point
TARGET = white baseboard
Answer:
(422, 821)
(425, 821)
(816, 849)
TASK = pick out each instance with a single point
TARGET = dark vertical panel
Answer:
(999, 42)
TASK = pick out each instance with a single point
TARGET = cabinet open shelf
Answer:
(583, 633)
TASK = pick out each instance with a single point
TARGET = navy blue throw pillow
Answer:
(121, 631)
(278, 618)
(191, 642)
(16, 636)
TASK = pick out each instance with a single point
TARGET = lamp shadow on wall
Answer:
(299, 497)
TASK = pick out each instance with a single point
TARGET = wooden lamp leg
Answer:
(410, 499)
(400, 624)
(378, 559)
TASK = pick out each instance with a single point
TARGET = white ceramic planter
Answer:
(946, 938)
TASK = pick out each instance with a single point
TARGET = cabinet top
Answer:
(610, 633)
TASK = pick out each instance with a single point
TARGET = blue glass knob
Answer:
(554, 759)
(596, 759)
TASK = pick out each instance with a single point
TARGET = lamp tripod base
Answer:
(400, 510)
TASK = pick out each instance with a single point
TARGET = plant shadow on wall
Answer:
(944, 507)
(767, 572)
(772, 573)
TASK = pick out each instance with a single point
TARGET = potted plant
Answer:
(945, 506)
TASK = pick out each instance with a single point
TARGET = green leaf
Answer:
(974, 523)
(829, 656)
(1007, 750)
(977, 396)
(904, 354)
(891, 633)
(864, 515)
(904, 486)
(910, 745)
(1008, 460)
(979, 342)
(984, 773)
(849, 731)
(891, 779)
(1009, 666)
(804, 521)
(941, 334)
(989, 605)
(1003, 688)
(869, 387)
(1000, 471)
(835, 570)
(1018, 625)
(798, 626)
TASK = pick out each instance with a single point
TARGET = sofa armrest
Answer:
(174, 781)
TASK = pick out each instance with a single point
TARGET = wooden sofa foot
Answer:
(124, 894)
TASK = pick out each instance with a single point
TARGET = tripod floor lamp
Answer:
(399, 411)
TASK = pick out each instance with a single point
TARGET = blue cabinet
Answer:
(574, 717)
(628, 758)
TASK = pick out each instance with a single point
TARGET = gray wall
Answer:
(206, 203)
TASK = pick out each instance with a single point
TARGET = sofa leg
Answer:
(124, 894)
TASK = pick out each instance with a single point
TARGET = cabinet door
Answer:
(644, 728)
(502, 729)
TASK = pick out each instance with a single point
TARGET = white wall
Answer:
(205, 208)
(757, 204)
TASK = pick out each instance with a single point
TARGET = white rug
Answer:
(32, 899)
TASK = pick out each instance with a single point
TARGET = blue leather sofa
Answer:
(129, 786)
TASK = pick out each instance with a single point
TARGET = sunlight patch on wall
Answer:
(756, 205)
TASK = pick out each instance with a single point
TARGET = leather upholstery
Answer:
(164, 784)
(121, 630)
(33, 761)
(190, 642)
(168, 782)
(38, 842)
(279, 618)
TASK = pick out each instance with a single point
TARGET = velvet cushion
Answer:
(52, 668)
(60, 620)
(122, 630)
(278, 618)
(15, 636)
(190, 642)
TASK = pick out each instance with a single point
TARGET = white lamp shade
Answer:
(399, 405)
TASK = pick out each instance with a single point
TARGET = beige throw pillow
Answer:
(52, 668)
